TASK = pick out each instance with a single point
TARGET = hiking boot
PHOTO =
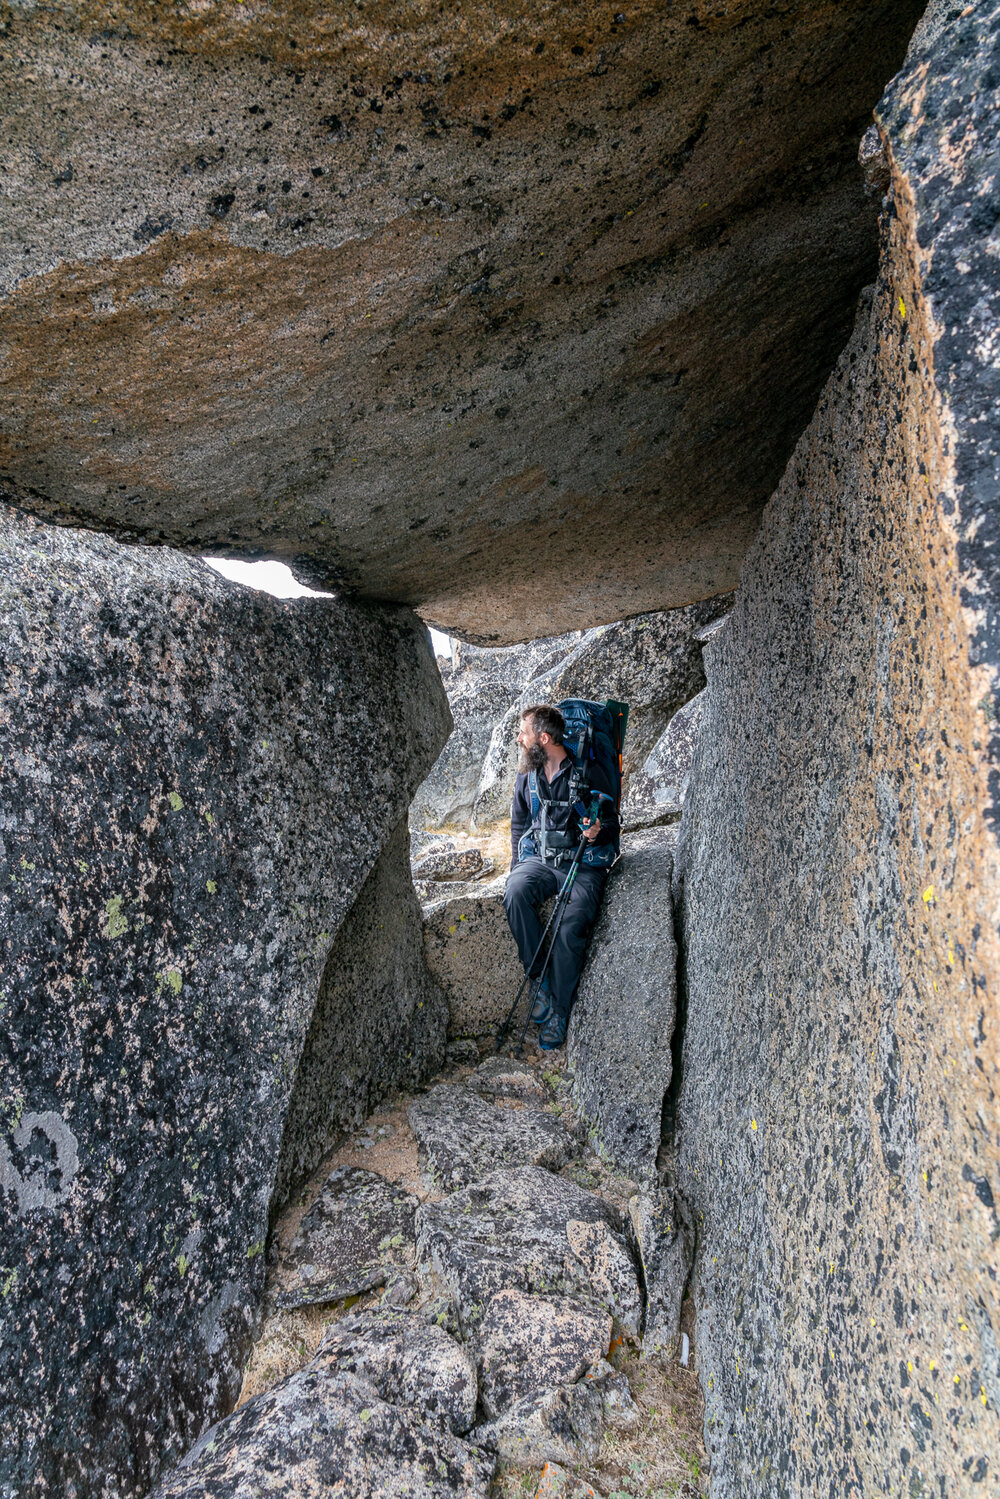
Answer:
(542, 1008)
(553, 1032)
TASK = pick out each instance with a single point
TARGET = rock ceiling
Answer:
(512, 312)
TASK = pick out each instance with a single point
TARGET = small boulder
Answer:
(526, 1343)
(561, 1425)
(323, 1432)
(408, 1360)
(505, 1077)
(509, 1230)
(610, 1269)
(452, 864)
(461, 1053)
(620, 1410)
(473, 957)
(556, 1483)
(461, 1137)
(356, 1235)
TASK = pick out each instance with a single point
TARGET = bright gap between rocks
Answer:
(276, 578)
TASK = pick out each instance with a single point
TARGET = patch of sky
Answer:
(276, 578)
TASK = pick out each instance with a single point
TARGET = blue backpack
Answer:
(595, 733)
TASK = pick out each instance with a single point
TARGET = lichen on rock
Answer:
(190, 809)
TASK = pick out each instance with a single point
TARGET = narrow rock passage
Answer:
(455, 1307)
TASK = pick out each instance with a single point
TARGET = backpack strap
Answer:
(535, 798)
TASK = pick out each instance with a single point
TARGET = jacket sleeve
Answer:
(520, 816)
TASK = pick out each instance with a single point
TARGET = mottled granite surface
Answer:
(195, 782)
(838, 1125)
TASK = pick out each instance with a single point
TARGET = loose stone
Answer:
(409, 1361)
(529, 1342)
(505, 1077)
(324, 1432)
(560, 1425)
(357, 1234)
(462, 1137)
(509, 1230)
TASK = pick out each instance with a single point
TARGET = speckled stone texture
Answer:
(516, 319)
(380, 1018)
(482, 685)
(621, 1025)
(529, 1343)
(470, 952)
(526, 1229)
(321, 1433)
(190, 803)
(563, 1424)
(838, 1110)
(358, 1234)
(461, 1136)
(660, 785)
(409, 1361)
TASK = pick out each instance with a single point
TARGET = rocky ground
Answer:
(455, 1307)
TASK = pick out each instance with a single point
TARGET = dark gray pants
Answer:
(529, 884)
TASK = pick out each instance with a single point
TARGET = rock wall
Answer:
(514, 316)
(482, 685)
(652, 662)
(195, 782)
(618, 1043)
(839, 870)
(379, 1022)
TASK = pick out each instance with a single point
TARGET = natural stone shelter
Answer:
(657, 345)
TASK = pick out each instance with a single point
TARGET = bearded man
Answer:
(542, 849)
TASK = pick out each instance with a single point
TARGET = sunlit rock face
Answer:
(196, 782)
(838, 1111)
(514, 316)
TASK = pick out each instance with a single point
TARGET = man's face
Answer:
(533, 748)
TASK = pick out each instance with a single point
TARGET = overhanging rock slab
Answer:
(515, 320)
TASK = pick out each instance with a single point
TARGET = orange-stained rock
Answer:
(512, 314)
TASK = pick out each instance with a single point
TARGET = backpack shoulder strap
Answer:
(535, 798)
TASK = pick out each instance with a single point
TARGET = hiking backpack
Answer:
(595, 733)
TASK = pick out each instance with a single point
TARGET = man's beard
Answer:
(532, 758)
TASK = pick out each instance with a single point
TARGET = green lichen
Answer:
(255, 1249)
(182, 1262)
(171, 979)
(8, 1280)
(175, 801)
(211, 886)
(115, 920)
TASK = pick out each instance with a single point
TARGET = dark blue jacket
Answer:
(520, 812)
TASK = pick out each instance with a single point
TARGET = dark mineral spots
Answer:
(515, 320)
(591, 336)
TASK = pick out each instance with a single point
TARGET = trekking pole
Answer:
(527, 977)
(561, 906)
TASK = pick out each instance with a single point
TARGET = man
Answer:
(540, 863)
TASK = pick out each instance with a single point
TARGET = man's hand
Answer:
(591, 830)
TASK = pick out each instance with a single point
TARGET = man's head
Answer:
(541, 727)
